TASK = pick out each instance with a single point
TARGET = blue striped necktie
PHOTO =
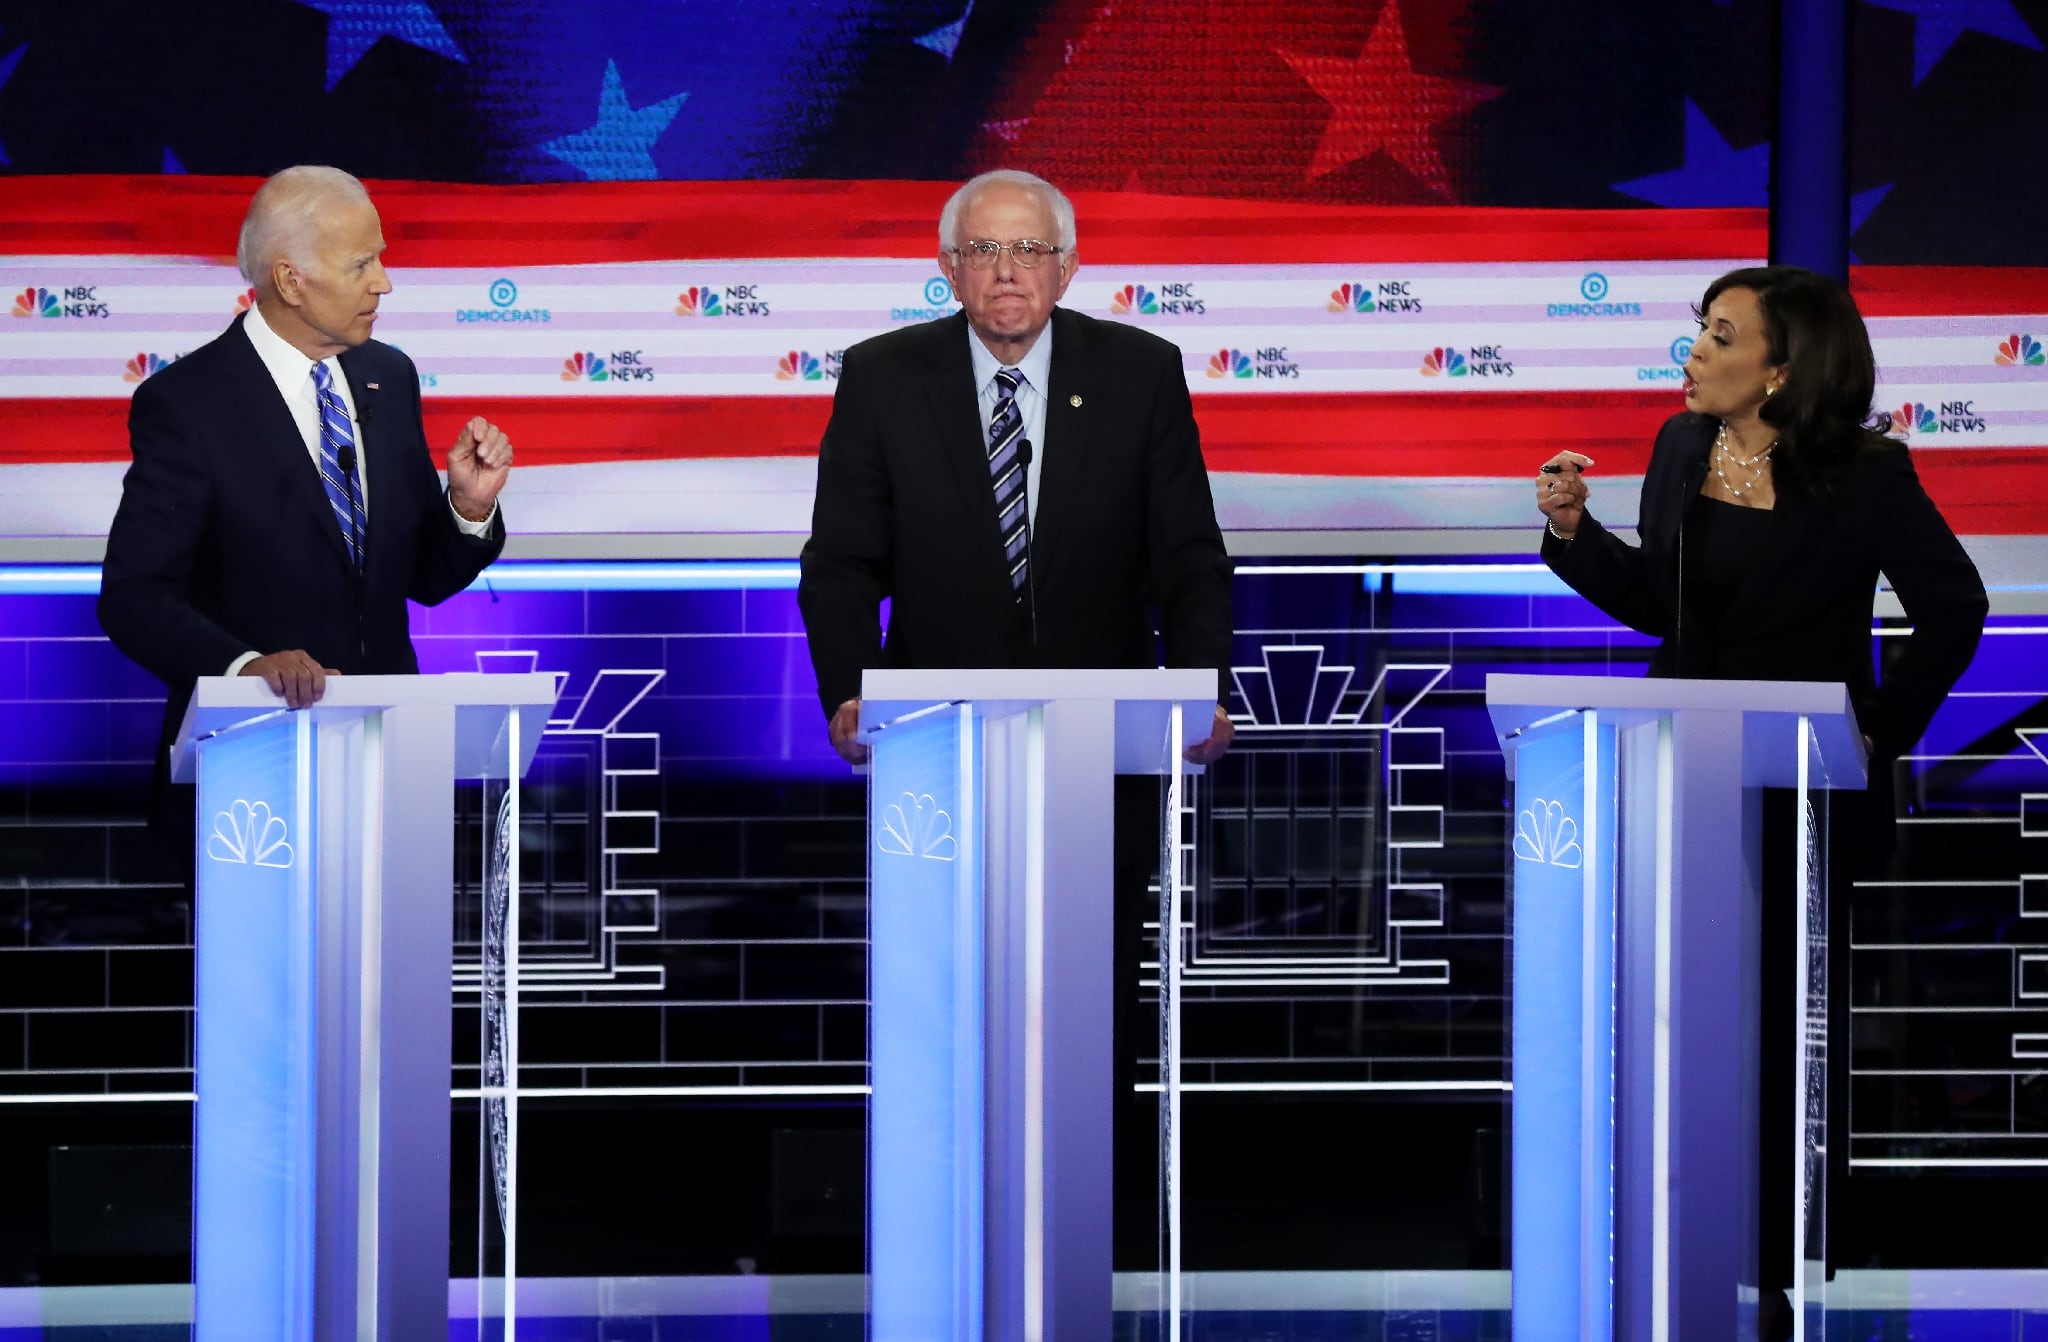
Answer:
(344, 487)
(1006, 468)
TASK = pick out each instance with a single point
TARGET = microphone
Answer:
(1024, 451)
(346, 455)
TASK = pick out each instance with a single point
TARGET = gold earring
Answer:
(1770, 391)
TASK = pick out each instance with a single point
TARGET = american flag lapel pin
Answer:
(369, 386)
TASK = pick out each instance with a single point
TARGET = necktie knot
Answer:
(323, 381)
(1008, 380)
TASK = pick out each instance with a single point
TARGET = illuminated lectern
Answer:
(323, 934)
(1637, 890)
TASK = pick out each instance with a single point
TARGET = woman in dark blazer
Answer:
(1771, 505)
(1769, 509)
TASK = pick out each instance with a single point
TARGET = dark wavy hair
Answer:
(1822, 412)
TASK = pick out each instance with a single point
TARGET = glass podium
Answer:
(990, 859)
(323, 939)
(1640, 894)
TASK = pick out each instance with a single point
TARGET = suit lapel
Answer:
(1065, 451)
(273, 427)
(957, 413)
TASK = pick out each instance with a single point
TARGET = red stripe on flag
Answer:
(1331, 434)
(442, 224)
(1944, 291)
(1982, 491)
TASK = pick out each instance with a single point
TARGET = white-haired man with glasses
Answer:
(1023, 483)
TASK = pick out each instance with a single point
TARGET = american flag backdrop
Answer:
(1409, 248)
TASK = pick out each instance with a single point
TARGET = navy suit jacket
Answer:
(224, 542)
(905, 510)
(1804, 611)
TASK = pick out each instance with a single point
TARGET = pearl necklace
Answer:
(1755, 465)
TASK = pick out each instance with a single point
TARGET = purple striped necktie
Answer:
(344, 487)
(1006, 469)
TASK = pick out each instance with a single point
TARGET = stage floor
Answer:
(1924, 1306)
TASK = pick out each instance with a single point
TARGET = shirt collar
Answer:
(287, 365)
(1036, 365)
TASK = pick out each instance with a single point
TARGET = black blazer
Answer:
(905, 510)
(1804, 611)
(224, 542)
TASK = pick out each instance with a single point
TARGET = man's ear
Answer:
(290, 286)
(948, 266)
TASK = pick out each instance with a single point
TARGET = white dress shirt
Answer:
(292, 371)
(1036, 366)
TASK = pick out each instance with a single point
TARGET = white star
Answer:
(946, 39)
(620, 146)
(354, 26)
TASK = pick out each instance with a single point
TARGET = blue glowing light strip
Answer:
(533, 576)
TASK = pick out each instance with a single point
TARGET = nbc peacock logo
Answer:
(799, 365)
(36, 302)
(245, 301)
(1230, 363)
(1913, 417)
(1443, 361)
(2018, 350)
(585, 367)
(699, 301)
(1352, 298)
(144, 366)
(1135, 298)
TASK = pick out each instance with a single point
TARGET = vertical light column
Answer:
(1079, 926)
(497, 1312)
(255, 1060)
(1173, 871)
(408, 845)
(1564, 1039)
(1810, 1191)
(1712, 1056)
(1643, 844)
(925, 1124)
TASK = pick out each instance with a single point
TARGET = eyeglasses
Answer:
(980, 253)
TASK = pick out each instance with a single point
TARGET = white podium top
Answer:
(1143, 696)
(1770, 711)
(220, 703)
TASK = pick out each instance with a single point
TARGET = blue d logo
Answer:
(504, 293)
(1681, 349)
(1594, 287)
(937, 291)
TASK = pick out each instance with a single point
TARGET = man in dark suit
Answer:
(282, 504)
(929, 481)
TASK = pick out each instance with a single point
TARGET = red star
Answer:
(1378, 101)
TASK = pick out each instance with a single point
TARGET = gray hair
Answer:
(284, 217)
(1062, 208)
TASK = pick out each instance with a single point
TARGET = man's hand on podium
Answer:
(845, 727)
(1211, 750)
(294, 675)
